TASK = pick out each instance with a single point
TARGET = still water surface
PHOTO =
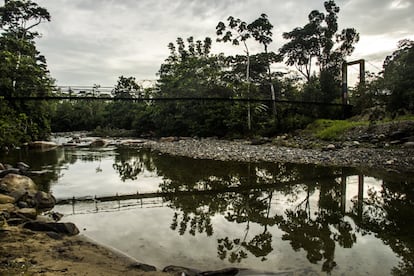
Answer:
(270, 217)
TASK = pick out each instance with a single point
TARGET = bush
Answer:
(331, 129)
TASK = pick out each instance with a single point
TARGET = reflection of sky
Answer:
(144, 233)
(90, 178)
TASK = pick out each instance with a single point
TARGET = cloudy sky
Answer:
(96, 41)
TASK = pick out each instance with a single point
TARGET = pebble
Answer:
(226, 150)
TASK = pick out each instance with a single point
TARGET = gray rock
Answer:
(42, 145)
(3, 173)
(22, 166)
(44, 201)
(181, 270)
(223, 272)
(18, 194)
(67, 228)
(22, 204)
(142, 267)
(408, 145)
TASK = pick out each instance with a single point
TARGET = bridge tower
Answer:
(345, 65)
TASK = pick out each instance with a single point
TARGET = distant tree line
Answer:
(317, 50)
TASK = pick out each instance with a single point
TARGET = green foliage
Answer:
(320, 42)
(331, 129)
(399, 77)
(23, 71)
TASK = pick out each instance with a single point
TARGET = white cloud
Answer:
(95, 41)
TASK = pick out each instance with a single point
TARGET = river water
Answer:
(266, 217)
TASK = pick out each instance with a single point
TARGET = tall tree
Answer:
(238, 32)
(261, 30)
(23, 70)
(399, 76)
(320, 42)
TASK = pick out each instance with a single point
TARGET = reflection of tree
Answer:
(317, 232)
(317, 235)
(129, 164)
(389, 213)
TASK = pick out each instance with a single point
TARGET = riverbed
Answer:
(267, 216)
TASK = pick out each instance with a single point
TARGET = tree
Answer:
(399, 76)
(261, 30)
(127, 87)
(23, 70)
(121, 113)
(191, 71)
(320, 43)
(237, 32)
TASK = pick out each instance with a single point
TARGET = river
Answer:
(204, 214)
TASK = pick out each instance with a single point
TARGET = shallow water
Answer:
(280, 218)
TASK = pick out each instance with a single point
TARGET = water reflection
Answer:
(333, 217)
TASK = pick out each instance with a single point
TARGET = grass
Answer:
(331, 129)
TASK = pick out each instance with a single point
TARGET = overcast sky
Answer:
(96, 41)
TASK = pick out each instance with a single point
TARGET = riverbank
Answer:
(24, 252)
(31, 253)
(348, 154)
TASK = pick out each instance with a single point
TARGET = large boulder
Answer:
(15, 182)
(42, 145)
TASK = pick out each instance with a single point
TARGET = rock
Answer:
(6, 199)
(42, 145)
(223, 272)
(98, 143)
(54, 235)
(44, 201)
(15, 221)
(16, 182)
(259, 141)
(181, 270)
(8, 207)
(381, 136)
(408, 145)
(2, 168)
(143, 267)
(397, 135)
(408, 139)
(389, 162)
(30, 213)
(4, 189)
(56, 216)
(22, 204)
(18, 194)
(23, 167)
(131, 142)
(62, 228)
(5, 172)
(329, 147)
(168, 139)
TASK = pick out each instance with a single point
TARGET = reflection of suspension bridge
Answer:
(157, 199)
